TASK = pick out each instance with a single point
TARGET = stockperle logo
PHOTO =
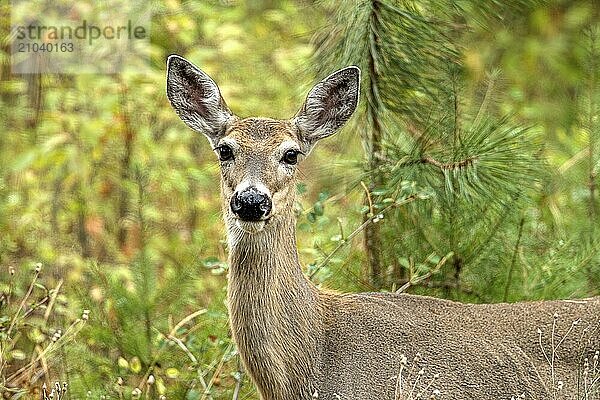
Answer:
(81, 37)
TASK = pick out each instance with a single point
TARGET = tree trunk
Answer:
(372, 233)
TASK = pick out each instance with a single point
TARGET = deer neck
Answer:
(267, 257)
(274, 310)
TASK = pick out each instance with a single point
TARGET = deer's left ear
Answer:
(329, 105)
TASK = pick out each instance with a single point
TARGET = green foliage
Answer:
(101, 182)
(478, 168)
(33, 330)
(440, 113)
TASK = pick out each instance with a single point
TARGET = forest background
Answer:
(470, 172)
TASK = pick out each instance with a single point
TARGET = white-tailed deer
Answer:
(300, 342)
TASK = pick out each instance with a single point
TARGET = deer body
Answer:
(299, 342)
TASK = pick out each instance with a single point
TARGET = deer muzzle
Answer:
(251, 204)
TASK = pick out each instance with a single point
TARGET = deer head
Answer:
(259, 157)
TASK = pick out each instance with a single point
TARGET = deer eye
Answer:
(290, 157)
(225, 152)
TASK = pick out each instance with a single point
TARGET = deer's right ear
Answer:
(196, 99)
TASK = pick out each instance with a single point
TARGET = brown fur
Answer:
(296, 340)
(299, 342)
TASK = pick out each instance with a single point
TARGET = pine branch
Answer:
(464, 163)
(420, 125)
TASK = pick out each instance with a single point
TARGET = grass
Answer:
(31, 349)
(588, 386)
(412, 383)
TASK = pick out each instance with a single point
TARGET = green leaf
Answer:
(380, 191)
(192, 394)
(301, 188)
(122, 363)
(404, 262)
(17, 354)
(172, 373)
(135, 365)
(318, 208)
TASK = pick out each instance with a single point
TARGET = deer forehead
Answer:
(261, 133)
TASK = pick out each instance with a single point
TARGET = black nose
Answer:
(250, 204)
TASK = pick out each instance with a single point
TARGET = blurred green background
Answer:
(476, 150)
